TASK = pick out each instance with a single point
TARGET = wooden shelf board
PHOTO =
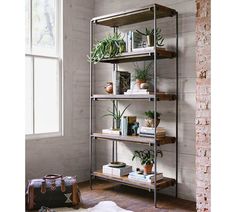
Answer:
(140, 56)
(134, 16)
(135, 139)
(164, 183)
(160, 96)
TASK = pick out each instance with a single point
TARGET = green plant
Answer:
(150, 114)
(117, 114)
(146, 156)
(142, 73)
(149, 32)
(110, 46)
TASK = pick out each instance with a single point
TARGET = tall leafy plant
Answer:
(117, 114)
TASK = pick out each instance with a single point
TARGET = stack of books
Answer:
(111, 132)
(149, 132)
(136, 91)
(119, 171)
(145, 178)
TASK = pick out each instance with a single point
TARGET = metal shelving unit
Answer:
(115, 20)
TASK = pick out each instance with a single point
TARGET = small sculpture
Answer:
(135, 128)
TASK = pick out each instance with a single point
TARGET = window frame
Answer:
(58, 56)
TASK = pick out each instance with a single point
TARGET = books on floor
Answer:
(119, 171)
(111, 132)
(145, 178)
(149, 132)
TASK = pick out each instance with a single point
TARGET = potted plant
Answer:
(117, 115)
(149, 121)
(109, 47)
(146, 158)
(142, 74)
(150, 36)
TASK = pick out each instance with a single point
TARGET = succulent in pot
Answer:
(146, 158)
(149, 33)
(142, 74)
(149, 121)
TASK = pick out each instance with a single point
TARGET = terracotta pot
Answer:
(150, 122)
(139, 82)
(109, 87)
(147, 169)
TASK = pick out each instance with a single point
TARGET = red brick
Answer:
(203, 105)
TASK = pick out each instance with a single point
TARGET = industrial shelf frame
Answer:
(150, 12)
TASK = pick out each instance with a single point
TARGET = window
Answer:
(43, 70)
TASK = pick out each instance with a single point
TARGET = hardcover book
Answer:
(122, 81)
(131, 122)
(124, 126)
(111, 132)
(145, 178)
(122, 171)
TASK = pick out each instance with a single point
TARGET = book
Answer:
(129, 41)
(136, 91)
(131, 122)
(111, 132)
(148, 48)
(122, 171)
(143, 49)
(123, 79)
(148, 130)
(124, 125)
(151, 130)
(145, 178)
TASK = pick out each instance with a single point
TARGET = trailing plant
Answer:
(109, 47)
(142, 73)
(150, 32)
(150, 114)
(146, 156)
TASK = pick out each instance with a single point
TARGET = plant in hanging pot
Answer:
(146, 158)
(109, 47)
(142, 74)
(150, 36)
(117, 115)
(149, 121)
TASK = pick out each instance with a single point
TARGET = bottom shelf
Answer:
(164, 183)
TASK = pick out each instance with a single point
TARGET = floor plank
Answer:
(129, 198)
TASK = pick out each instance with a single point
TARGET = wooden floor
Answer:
(133, 199)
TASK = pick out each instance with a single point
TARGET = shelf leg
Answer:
(155, 104)
(177, 110)
(91, 106)
(91, 164)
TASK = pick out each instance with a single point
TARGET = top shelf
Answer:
(134, 16)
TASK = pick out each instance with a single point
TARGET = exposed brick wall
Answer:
(203, 105)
